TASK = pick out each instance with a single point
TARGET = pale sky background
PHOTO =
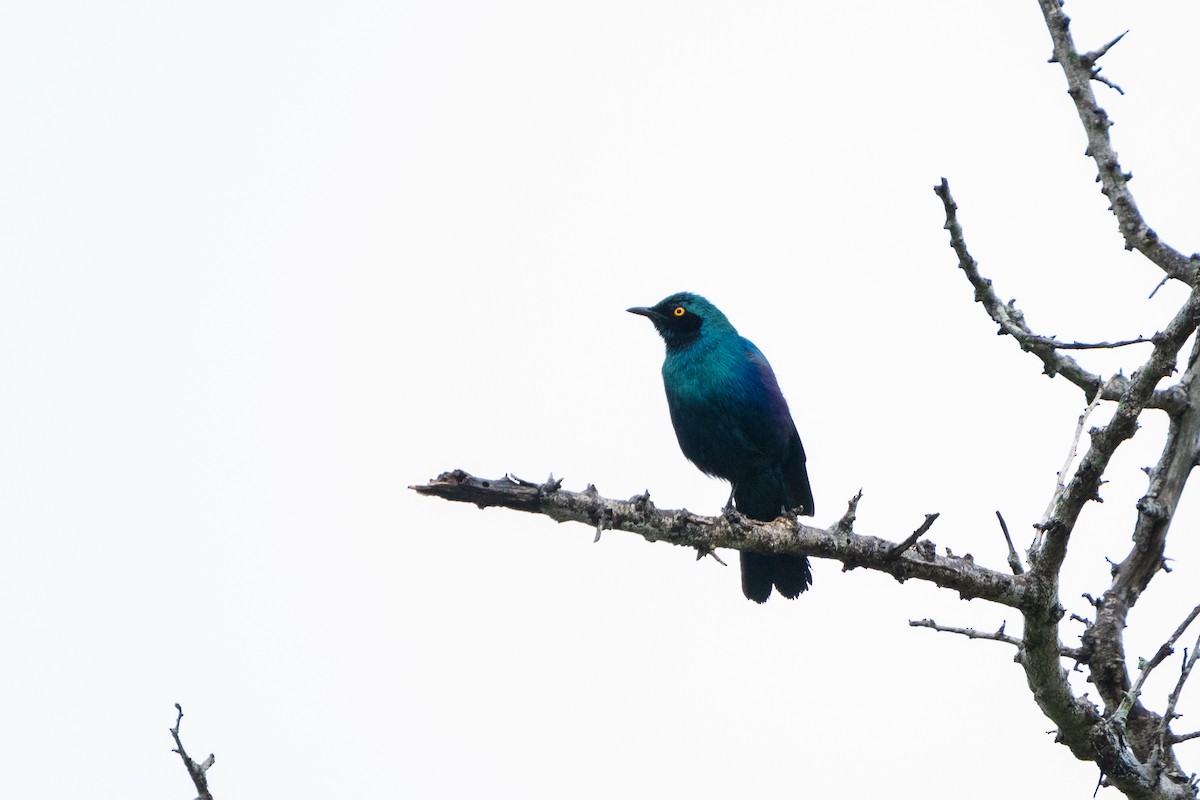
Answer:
(264, 265)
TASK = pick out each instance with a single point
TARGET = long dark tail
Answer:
(765, 499)
(790, 575)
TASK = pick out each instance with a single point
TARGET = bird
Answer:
(732, 421)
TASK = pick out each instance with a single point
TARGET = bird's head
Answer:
(684, 317)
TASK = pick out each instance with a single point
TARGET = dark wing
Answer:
(795, 476)
(777, 435)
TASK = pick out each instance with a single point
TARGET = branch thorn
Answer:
(898, 550)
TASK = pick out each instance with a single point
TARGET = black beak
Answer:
(642, 310)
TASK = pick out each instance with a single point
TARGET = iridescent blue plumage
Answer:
(732, 422)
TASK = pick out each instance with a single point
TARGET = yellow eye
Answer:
(679, 311)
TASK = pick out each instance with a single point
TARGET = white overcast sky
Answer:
(263, 265)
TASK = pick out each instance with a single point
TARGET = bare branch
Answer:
(1127, 747)
(681, 527)
(846, 523)
(1051, 341)
(1156, 509)
(1185, 673)
(911, 539)
(1085, 484)
(1096, 76)
(1166, 649)
(1113, 179)
(195, 770)
(996, 636)
(1014, 560)
(1060, 485)
(1120, 752)
(1012, 322)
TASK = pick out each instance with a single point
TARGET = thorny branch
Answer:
(1012, 322)
(995, 636)
(1057, 345)
(1119, 749)
(1184, 674)
(197, 771)
(1080, 71)
(1146, 730)
(731, 530)
(1131, 744)
(1167, 648)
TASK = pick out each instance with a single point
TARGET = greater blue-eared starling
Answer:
(733, 422)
